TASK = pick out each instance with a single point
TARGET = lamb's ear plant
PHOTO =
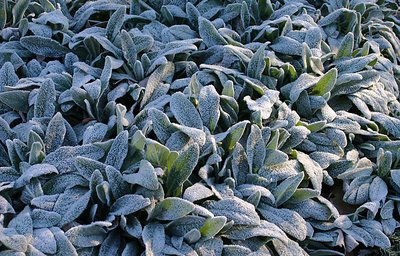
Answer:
(199, 127)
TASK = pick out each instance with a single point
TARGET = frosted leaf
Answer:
(154, 238)
(379, 238)
(172, 208)
(280, 169)
(87, 166)
(209, 33)
(289, 221)
(197, 192)
(63, 244)
(233, 134)
(118, 150)
(236, 250)
(7, 76)
(287, 45)
(44, 241)
(265, 229)
(131, 225)
(257, 64)
(3, 14)
(212, 246)
(378, 189)
(16, 99)
(192, 14)
(34, 172)
(264, 104)
(55, 133)
(45, 99)
(255, 148)
(355, 64)
(249, 189)
(158, 83)
(111, 244)
(313, 37)
(286, 188)
(181, 226)
(128, 48)
(45, 202)
(71, 204)
(312, 168)
(22, 223)
(117, 184)
(19, 10)
(184, 111)
(162, 126)
(209, 104)
(311, 209)
(45, 219)
(6, 133)
(290, 248)
(88, 235)
(145, 177)
(43, 46)
(359, 234)
(241, 212)
(128, 204)
(293, 89)
(197, 135)
(358, 190)
(115, 23)
(64, 157)
(94, 133)
(12, 240)
(240, 167)
(390, 124)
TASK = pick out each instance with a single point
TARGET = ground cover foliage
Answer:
(175, 127)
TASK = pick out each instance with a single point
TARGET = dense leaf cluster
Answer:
(174, 127)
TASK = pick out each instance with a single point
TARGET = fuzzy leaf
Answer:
(129, 204)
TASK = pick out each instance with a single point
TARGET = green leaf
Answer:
(18, 10)
(3, 13)
(212, 226)
(16, 99)
(234, 134)
(181, 169)
(346, 46)
(287, 188)
(172, 208)
(325, 83)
